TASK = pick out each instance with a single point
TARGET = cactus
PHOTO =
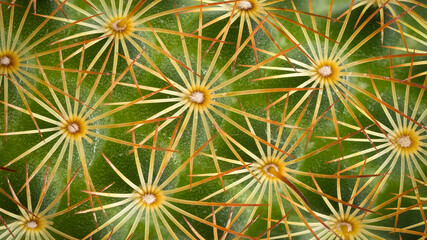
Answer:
(206, 119)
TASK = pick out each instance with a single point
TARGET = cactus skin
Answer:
(213, 119)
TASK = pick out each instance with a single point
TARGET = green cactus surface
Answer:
(213, 119)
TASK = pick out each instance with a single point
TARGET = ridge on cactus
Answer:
(150, 199)
(197, 98)
(348, 223)
(330, 68)
(213, 119)
(250, 12)
(405, 142)
(392, 8)
(35, 222)
(271, 173)
(16, 58)
(121, 27)
(71, 125)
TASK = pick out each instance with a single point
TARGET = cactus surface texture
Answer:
(213, 119)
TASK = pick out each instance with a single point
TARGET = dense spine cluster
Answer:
(212, 119)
